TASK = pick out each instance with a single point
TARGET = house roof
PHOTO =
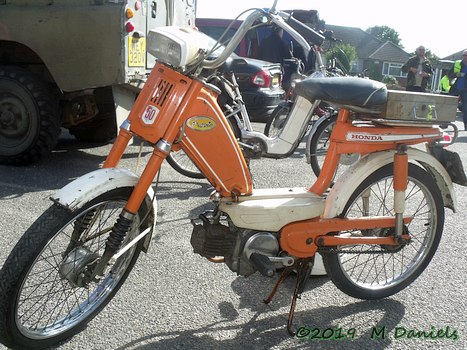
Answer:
(367, 45)
(390, 52)
(363, 42)
(455, 56)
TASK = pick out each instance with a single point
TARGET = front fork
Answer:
(126, 218)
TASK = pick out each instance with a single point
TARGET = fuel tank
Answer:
(185, 113)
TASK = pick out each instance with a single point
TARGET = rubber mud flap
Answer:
(452, 162)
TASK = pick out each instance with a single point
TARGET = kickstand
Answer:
(303, 268)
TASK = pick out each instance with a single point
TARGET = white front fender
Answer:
(358, 172)
(80, 191)
(89, 186)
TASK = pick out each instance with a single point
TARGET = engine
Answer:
(244, 251)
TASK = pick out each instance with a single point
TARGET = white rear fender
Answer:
(91, 185)
(358, 172)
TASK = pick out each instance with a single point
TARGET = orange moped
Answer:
(377, 227)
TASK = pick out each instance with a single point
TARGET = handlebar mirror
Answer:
(328, 34)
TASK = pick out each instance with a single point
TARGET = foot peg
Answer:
(263, 264)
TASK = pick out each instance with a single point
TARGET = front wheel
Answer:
(320, 142)
(277, 119)
(43, 297)
(373, 272)
(181, 163)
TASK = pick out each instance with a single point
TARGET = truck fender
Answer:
(77, 193)
(358, 172)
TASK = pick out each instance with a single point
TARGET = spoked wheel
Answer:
(44, 297)
(181, 163)
(372, 272)
(277, 119)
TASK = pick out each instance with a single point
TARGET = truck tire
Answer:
(29, 122)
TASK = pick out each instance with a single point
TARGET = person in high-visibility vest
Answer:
(445, 84)
(458, 71)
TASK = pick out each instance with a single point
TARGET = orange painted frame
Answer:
(341, 145)
(300, 239)
(172, 99)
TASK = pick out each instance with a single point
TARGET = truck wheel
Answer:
(102, 128)
(29, 123)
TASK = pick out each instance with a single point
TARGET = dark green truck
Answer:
(74, 64)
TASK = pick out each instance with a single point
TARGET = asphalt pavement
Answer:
(175, 299)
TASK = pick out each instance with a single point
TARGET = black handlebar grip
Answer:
(262, 264)
(308, 33)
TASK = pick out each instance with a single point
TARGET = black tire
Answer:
(29, 122)
(277, 119)
(319, 144)
(39, 305)
(181, 163)
(101, 129)
(373, 274)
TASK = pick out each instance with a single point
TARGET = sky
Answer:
(418, 23)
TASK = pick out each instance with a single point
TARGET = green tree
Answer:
(385, 33)
(341, 56)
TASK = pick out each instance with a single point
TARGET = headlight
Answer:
(176, 46)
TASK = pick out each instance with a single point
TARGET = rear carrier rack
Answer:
(418, 108)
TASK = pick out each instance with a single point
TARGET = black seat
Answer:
(357, 94)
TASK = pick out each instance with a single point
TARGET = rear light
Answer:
(129, 27)
(261, 79)
(447, 137)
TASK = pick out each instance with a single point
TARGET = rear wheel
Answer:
(373, 272)
(43, 298)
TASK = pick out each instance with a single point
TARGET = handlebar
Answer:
(308, 33)
(297, 30)
(234, 41)
(329, 35)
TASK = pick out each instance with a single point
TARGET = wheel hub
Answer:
(13, 119)
(6, 118)
(74, 266)
(388, 232)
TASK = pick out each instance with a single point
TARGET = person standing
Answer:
(457, 72)
(419, 71)
(273, 49)
(445, 84)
